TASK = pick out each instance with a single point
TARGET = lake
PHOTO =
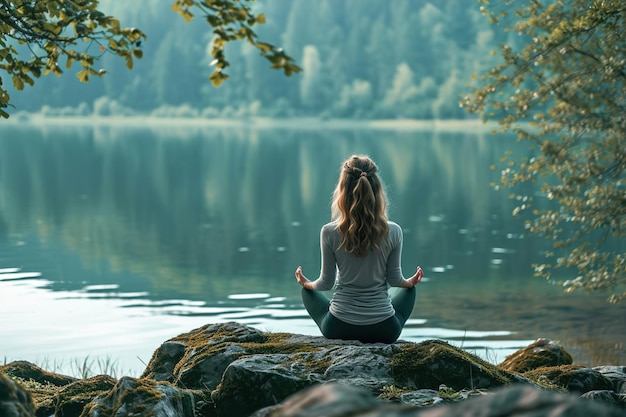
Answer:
(115, 237)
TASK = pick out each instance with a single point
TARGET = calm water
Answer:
(114, 239)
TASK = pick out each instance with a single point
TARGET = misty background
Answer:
(360, 59)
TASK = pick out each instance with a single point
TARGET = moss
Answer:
(275, 343)
(42, 394)
(433, 362)
(553, 377)
(135, 396)
(28, 371)
(212, 340)
(317, 365)
(539, 354)
(72, 398)
(392, 392)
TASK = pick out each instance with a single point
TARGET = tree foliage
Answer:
(564, 91)
(38, 37)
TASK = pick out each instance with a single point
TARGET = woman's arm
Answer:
(395, 277)
(328, 272)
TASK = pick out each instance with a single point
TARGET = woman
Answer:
(361, 252)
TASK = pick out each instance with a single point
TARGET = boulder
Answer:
(433, 363)
(575, 379)
(141, 397)
(41, 384)
(615, 374)
(607, 397)
(516, 400)
(233, 370)
(539, 354)
(28, 371)
(72, 398)
(246, 369)
(14, 400)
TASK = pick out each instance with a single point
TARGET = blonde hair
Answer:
(360, 206)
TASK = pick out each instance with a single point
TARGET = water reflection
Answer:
(207, 224)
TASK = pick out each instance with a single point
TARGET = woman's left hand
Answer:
(302, 280)
(417, 278)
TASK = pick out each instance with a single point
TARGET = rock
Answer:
(72, 399)
(14, 400)
(28, 371)
(247, 369)
(233, 370)
(197, 360)
(575, 379)
(252, 383)
(523, 401)
(432, 363)
(142, 397)
(41, 384)
(607, 397)
(615, 374)
(517, 400)
(326, 400)
(421, 398)
(541, 353)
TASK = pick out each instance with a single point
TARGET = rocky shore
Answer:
(232, 370)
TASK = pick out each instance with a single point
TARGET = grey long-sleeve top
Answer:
(361, 283)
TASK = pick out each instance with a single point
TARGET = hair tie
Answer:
(363, 174)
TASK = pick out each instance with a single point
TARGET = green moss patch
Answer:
(230, 340)
(27, 371)
(553, 377)
(71, 399)
(135, 396)
(432, 363)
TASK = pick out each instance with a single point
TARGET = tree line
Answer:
(360, 59)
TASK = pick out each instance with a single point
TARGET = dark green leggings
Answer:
(387, 331)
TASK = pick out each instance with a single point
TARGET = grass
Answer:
(84, 368)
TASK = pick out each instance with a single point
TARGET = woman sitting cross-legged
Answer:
(361, 254)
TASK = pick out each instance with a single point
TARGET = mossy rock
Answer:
(432, 363)
(15, 401)
(141, 398)
(41, 384)
(198, 359)
(539, 354)
(72, 399)
(28, 371)
(572, 378)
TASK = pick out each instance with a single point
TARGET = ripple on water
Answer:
(251, 296)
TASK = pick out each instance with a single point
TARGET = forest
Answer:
(361, 59)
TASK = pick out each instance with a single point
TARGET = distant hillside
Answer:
(361, 59)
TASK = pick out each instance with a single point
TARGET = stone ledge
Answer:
(230, 369)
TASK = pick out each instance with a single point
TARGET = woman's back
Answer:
(360, 295)
(361, 257)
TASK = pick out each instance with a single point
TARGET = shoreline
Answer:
(304, 123)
